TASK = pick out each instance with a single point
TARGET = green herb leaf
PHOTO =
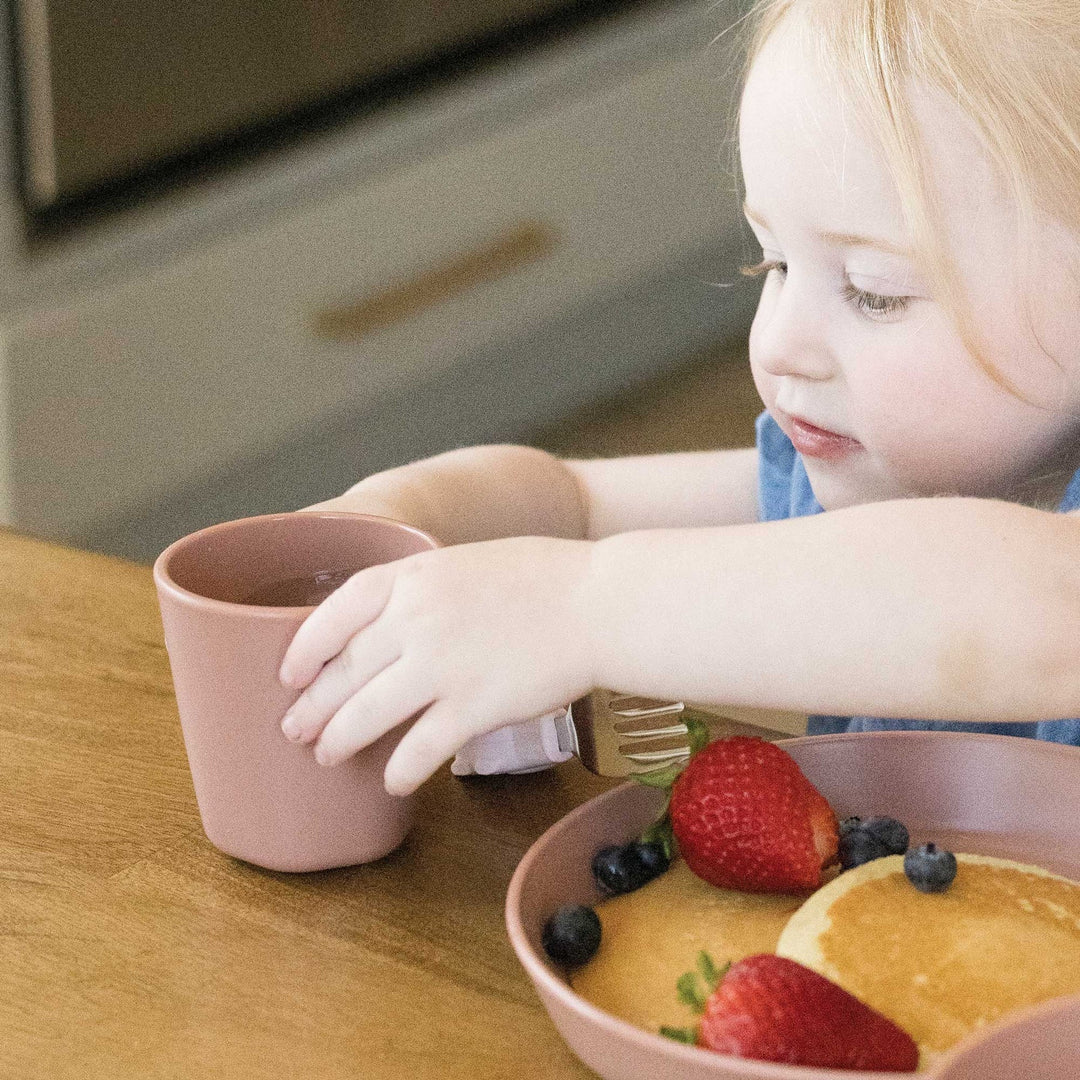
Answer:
(660, 778)
(690, 993)
(709, 971)
(699, 734)
(683, 1035)
(659, 832)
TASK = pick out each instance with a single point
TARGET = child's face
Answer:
(906, 410)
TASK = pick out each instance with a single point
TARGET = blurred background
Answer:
(253, 250)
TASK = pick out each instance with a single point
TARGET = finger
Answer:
(364, 656)
(435, 738)
(325, 631)
(390, 698)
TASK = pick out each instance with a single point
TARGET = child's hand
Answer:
(370, 498)
(473, 637)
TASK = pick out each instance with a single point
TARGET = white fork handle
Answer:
(527, 747)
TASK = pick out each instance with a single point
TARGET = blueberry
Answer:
(864, 839)
(859, 846)
(620, 869)
(612, 870)
(893, 834)
(848, 824)
(572, 934)
(652, 857)
(930, 869)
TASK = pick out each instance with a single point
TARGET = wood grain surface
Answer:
(131, 947)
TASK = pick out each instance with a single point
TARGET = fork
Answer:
(611, 734)
(621, 735)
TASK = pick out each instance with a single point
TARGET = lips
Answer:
(813, 441)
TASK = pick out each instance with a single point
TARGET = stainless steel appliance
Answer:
(118, 90)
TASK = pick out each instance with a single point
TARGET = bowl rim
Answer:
(1065, 1007)
(541, 975)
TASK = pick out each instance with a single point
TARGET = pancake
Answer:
(1003, 936)
(653, 935)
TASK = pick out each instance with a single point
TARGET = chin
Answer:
(835, 492)
(838, 502)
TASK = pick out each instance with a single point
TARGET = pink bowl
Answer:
(1038, 1044)
(988, 794)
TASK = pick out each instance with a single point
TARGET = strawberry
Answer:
(774, 1009)
(745, 817)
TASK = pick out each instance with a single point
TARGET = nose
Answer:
(789, 333)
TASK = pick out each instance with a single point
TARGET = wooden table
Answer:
(130, 947)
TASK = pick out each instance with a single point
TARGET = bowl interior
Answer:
(1015, 798)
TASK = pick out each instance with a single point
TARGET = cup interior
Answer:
(236, 560)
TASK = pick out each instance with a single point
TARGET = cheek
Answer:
(894, 400)
(912, 407)
(945, 427)
(905, 381)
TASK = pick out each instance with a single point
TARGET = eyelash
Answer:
(872, 305)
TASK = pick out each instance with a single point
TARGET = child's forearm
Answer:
(675, 490)
(476, 493)
(490, 492)
(937, 609)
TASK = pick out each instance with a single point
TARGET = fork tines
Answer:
(621, 735)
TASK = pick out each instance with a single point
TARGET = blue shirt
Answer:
(784, 492)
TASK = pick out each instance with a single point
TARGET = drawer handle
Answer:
(525, 244)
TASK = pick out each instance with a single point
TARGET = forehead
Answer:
(811, 156)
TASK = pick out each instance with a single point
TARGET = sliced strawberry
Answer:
(745, 817)
(774, 1009)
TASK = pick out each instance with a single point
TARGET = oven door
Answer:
(114, 88)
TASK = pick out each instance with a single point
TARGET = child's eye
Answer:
(763, 267)
(873, 304)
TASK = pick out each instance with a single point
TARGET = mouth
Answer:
(817, 442)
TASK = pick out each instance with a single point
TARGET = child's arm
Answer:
(488, 492)
(668, 490)
(958, 609)
(934, 608)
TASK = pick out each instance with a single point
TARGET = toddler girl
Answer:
(912, 173)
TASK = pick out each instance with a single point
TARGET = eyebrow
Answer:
(840, 238)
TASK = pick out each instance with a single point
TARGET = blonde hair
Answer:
(1011, 66)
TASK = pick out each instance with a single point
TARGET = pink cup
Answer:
(262, 798)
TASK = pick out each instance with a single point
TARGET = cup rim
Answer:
(165, 583)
